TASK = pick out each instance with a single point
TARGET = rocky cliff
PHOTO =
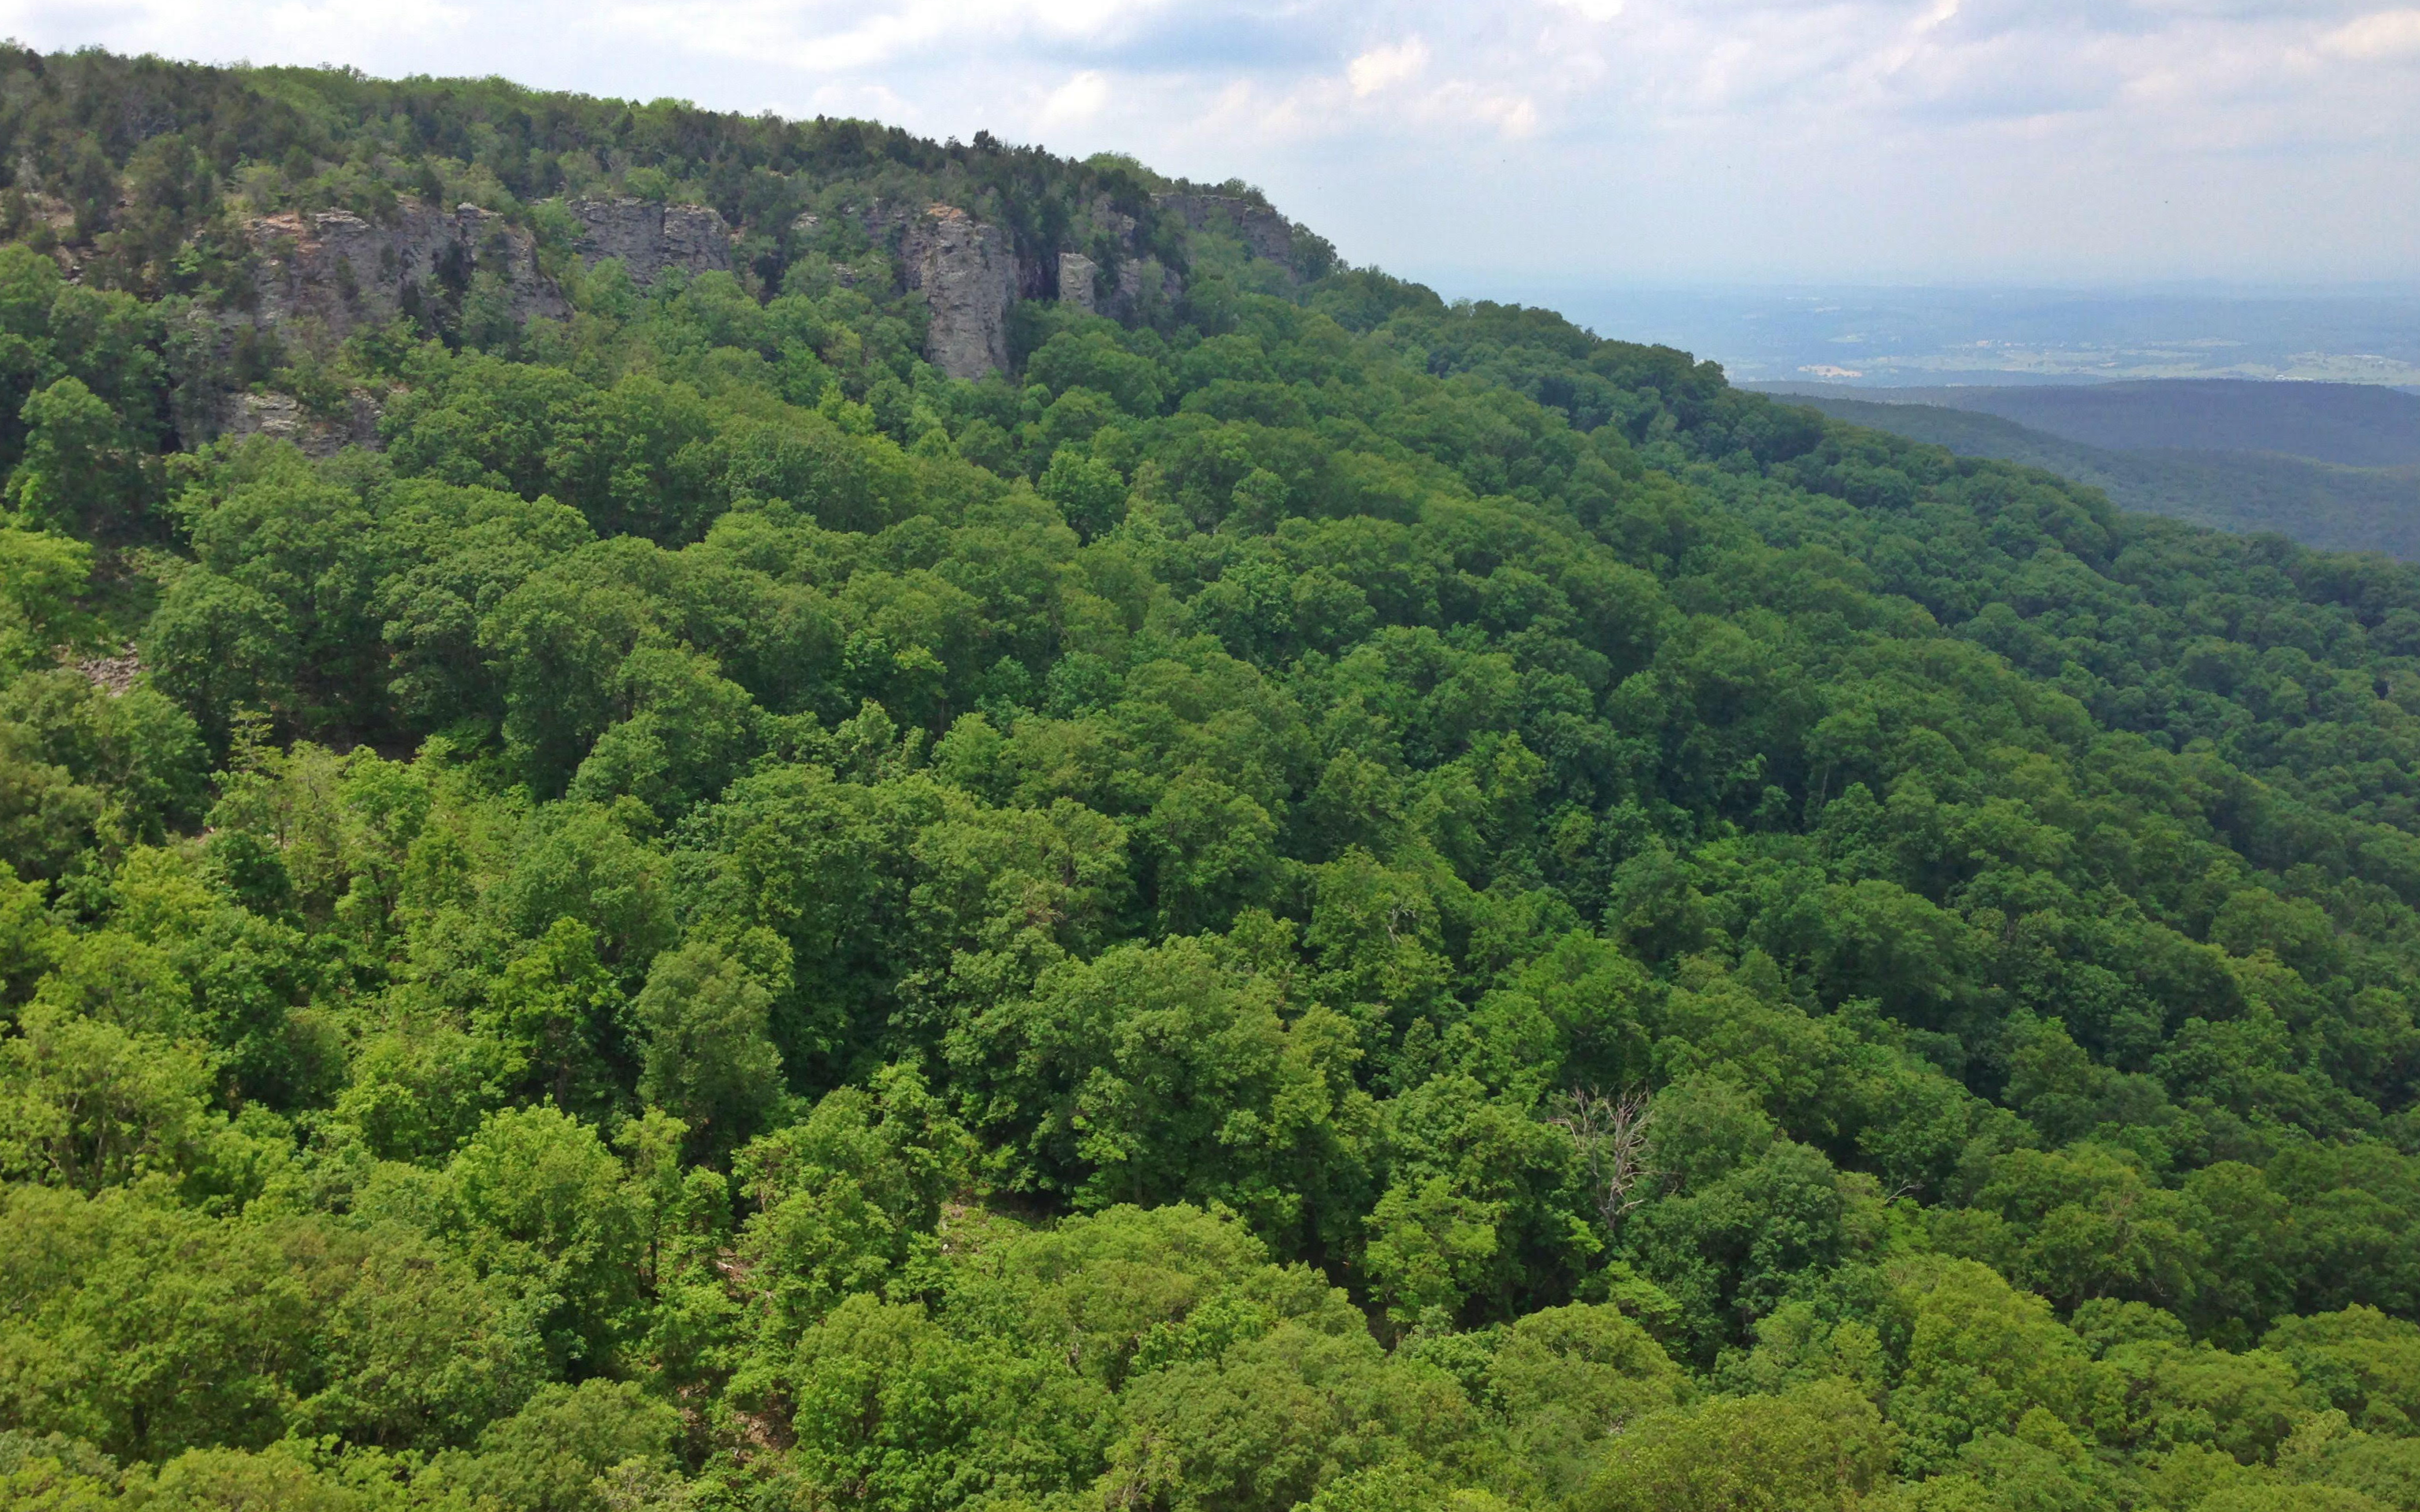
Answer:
(967, 270)
(1076, 273)
(282, 416)
(342, 271)
(1140, 281)
(1264, 232)
(648, 237)
(970, 275)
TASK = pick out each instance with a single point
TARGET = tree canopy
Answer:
(1320, 899)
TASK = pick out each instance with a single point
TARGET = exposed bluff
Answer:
(1123, 296)
(648, 237)
(1116, 275)
(284, 417)
(1266, 235)
(342, 271)
(337, 269)
(969, 273)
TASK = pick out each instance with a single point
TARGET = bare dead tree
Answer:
(1611, 1134)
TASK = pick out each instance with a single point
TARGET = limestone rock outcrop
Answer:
(967, 270)
(1076, 272)
(342, 271)
(1264, 233)
(282, 416)
(1140, 281)
(648, 237)
(113, 675)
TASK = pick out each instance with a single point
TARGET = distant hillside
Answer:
(2350, 424)
(2318, 504)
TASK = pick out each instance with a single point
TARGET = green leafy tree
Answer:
(541, 1203)
(81, 472)
(561, 1452)
(709, 1056)
(1820, 1446)
(1087, 491)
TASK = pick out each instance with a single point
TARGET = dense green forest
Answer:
(1314, 898)
(2325, 504)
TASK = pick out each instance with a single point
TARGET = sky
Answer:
(1548, 142)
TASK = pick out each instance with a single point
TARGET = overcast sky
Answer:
(1576, 141)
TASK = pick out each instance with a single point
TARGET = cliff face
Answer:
(1265, 234)
(1076, 272)
(1141, 279)
(970, 275)
(648, 237)
(342, 271)
(281, 415)
(967, 270)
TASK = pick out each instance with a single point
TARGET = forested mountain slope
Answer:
(1311, 898)
(2318, 504)
(2344, 424)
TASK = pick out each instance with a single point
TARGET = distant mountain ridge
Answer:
(2314, 501)
(2349, 424)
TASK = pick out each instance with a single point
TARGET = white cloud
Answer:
(1513, 115)
(334, 20)
(1382, 68)
(837, 36)
(288, 32)
(776, 31)
(2387, 34)
(1080, 99)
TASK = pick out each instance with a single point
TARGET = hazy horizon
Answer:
(1893, 335)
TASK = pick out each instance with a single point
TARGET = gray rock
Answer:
(282, 415)
(967, 270)
(1076, 272)
(1119, 227)
(334, 267)
(648, 237)
(1136, 275)
(113, 675)
(1264, 233)
(1138, 278)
